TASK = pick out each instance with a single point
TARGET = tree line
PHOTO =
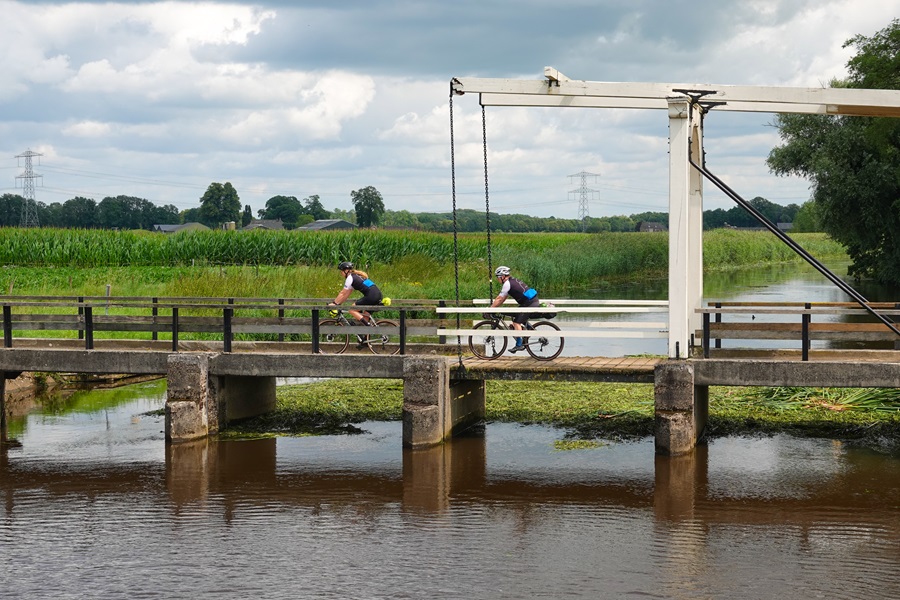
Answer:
(221, 204)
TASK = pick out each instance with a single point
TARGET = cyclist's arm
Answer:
(502, 296)
(345, 293)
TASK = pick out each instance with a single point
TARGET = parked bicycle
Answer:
(489, 346)
(381, 336)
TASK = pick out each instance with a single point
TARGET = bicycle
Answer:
(382, 342)
(490, 346)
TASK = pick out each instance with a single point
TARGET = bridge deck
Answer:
(626, 369)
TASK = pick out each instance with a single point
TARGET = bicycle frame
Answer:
(378, 343)
(539, 347)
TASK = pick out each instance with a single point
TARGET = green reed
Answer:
(405, 263)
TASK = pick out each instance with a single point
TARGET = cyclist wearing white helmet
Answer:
(359, 281)
(521, 293)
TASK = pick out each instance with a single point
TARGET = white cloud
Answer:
(88, 129)
(321, 100)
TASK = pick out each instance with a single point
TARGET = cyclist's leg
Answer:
(518, 323)
(364, 316)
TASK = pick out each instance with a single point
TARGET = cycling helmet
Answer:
(345, 265)
(502, 272)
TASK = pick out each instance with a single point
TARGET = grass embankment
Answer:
(587, 411)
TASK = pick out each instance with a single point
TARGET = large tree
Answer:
(220, 204)
(81, 212)
(286, 208)
(853, 163)
(313, 207)
(11, 210)
(368, 206)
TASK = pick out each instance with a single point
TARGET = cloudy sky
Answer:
(160, 99)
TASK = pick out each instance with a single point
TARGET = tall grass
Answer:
(407, 264)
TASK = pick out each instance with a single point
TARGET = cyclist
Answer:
(521, 293)
(359, 281)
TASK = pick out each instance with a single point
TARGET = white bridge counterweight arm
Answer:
(842, 101)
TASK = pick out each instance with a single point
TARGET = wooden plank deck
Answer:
(629, 369)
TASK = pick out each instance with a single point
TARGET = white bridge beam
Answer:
(559, 90)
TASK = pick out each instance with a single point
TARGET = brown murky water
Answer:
(96, 506)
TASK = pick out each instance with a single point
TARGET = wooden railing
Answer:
(222, 318)
(572, 328)
(794, 321)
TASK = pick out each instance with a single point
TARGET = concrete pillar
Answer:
(426, 388)
(233, 398)
(680, 407)
(433, 407)
(187, 397)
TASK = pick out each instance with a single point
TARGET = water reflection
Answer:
(498, 514)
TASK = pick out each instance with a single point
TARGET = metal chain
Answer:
(487, 207)
(455, 237)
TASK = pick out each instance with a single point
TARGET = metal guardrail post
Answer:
(442, 339)
(155, 313)
(7, 326)
(281, 318)
(80, 316)
(174, 329)
(88, 328)
(804, 333)
(228, 313)
(315, 331)
(706, 335)
(718, 320)
(402, 331)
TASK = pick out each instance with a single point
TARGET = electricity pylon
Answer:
(584, 193)
(29, 209)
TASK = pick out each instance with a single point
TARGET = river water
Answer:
(95, 505)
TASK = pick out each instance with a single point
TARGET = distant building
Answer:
(785, 226)
(322, 224)
(180, 227)
(270, 224)
(650, 226)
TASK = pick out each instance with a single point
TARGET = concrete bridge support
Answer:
(200, 401)
(197, 404)
(681, 407)
(434, 407)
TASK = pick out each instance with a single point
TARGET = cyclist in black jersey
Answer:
(359, 281)
(521, 293)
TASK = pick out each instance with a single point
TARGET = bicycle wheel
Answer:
(386, 340)
(543, 347)
(485, 345)
(332, 343)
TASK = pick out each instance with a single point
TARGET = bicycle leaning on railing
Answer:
(489, 346)
(381, 336)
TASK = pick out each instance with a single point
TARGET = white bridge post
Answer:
(685, 225)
